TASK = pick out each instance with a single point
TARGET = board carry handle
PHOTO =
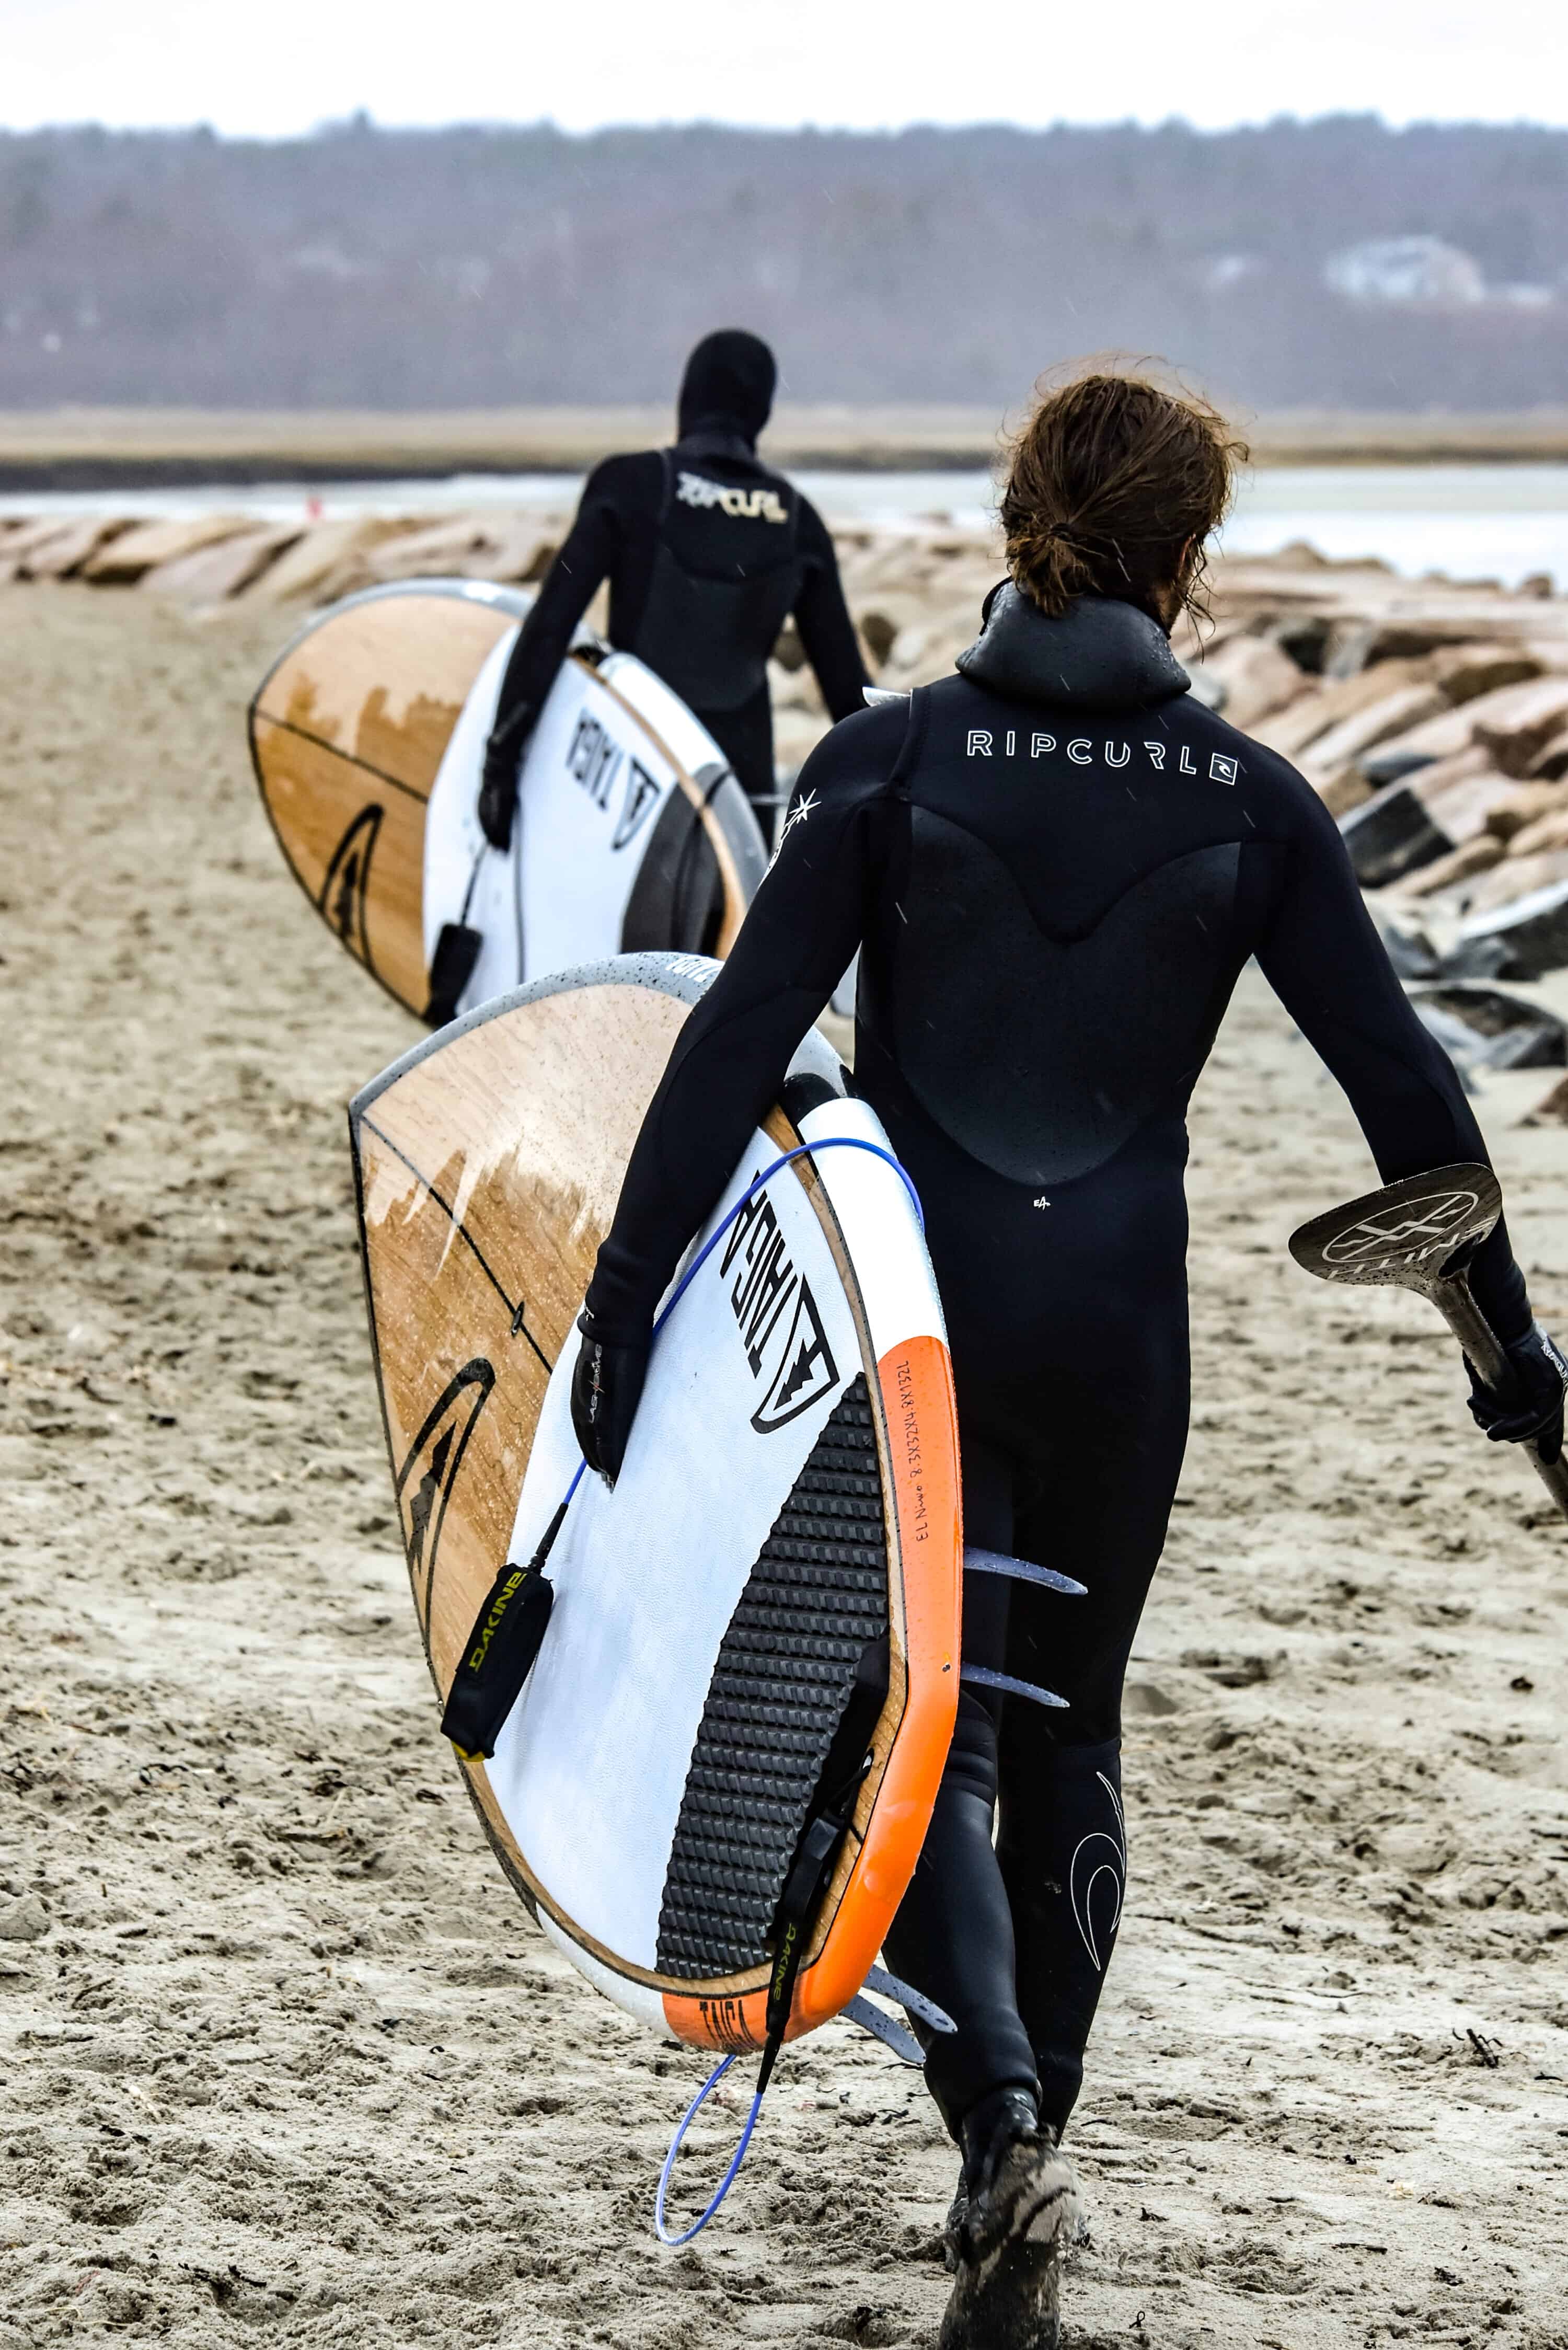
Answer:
(507, 1636)
(456, 953)
(1422, 1233)
(451, 968)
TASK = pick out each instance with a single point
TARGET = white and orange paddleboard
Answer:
(788, 1515)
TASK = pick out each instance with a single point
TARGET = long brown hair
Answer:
(1115, 485)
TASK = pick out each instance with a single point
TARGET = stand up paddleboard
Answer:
(752, 1664)
(367, 738)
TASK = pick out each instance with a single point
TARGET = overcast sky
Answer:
(287, 64)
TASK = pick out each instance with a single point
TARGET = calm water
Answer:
(1473, 522)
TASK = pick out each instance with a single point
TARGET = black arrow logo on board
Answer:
(435, 1458)
(641, 791)
(344, 891)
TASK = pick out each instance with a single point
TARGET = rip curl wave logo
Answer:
(1406, 1235)
(741, 505)
(1098, 1871)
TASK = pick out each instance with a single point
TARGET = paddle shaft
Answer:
(1451, 1295)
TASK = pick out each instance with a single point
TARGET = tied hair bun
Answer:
(1047, 563)
(1115, 486)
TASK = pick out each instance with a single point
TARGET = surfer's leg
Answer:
(953, 1938)
(1101, 1512)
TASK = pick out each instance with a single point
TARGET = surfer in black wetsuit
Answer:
(1055, 865)
(708, 553)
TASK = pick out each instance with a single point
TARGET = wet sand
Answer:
(283, 2059)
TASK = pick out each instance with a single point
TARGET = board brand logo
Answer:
(595, 759)
(425, 1481)
(741, 505)
(781, 1328)
(1415, 1230)
(343, 892)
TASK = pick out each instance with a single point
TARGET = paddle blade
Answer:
(1407, 1234)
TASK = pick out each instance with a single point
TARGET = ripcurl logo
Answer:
(741, 506)
(786, 1345)
(1083, 750)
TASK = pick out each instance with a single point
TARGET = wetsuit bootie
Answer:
(1020, 2211)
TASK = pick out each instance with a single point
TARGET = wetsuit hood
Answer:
(1103, 654)
(728, 385)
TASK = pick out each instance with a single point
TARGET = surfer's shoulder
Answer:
(1278, 800)
(854, 762)
(634, 478)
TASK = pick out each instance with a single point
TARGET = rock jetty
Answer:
(1431, 715)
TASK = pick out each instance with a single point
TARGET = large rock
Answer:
(1304, 636)
(1486, 1027)
(1411, 824)
(1552, 763)
(124, 560)
(1257, 676)
(465, 547)
(1464, 673)
(1391, 835)
(1515, 877)
(1367, 644)
(1460, 864)
(1532, 932)
(1291, 731)
(1548, 831)
(215, 573)
(1492, 717)
(1517, 735)
(1393, 714)
(60, 554)
(324, 547)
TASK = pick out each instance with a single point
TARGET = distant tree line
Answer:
(477, 267)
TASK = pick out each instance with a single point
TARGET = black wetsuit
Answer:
(1055, 865)
(708, 553)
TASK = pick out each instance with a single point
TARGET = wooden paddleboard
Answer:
(791, 1492)
(367, 737)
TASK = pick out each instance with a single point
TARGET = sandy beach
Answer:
(284, 2062)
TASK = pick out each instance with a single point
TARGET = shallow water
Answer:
(1472, 522)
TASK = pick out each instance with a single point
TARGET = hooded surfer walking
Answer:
(708, 553)
(1056, 863)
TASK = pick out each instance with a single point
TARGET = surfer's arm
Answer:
(822, 618)
(732, 1054)
(568, 586)
(1321, 953)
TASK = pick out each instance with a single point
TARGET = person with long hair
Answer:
(1055, 864)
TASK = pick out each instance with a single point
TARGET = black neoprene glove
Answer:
(607, 1387)
(498, 793)
(1536, 1409)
